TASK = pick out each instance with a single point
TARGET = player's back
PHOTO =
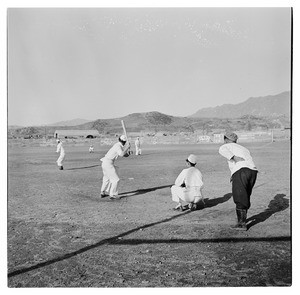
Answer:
(114, 151)
(193, 177)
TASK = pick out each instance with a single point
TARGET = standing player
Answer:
(60, 149)
(188, 185)
(110, 176)
(91, 149)
(243, 176)
(138, 150)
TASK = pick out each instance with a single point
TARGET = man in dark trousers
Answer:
(243, 176)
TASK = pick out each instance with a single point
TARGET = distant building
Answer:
(76, 133)
(218, 138)
(204, 138)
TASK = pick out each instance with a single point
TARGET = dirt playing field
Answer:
(61, 234)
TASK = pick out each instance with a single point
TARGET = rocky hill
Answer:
(274, 112)
(73, 122)
(155, 122)
(147, 122)
(265, 106)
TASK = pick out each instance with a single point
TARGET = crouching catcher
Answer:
(188, 186)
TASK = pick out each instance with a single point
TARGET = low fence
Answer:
(255, 136)
(187, 138)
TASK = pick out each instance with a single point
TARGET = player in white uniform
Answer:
(188, 185)
(243, 176)
(110, 175)
(138, 150)
(60, 149)
(91, 149)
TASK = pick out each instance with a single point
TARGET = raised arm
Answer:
(123, 151)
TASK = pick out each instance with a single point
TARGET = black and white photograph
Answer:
(149, 147)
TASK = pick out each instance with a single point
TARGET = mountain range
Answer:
(255, 113)
(73, 122)
(264, 106)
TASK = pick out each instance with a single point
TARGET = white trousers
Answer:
(193, 195)
(138, 151)
(110, 178)
(60, 159)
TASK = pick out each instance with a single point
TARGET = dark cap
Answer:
(231, 136)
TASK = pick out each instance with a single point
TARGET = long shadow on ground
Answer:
(118, 239)
(86, 167)
(188, 241)
(111, 240)
(142, 191)
(279, 203)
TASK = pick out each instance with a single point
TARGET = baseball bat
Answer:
(125, 133)
(124, 129)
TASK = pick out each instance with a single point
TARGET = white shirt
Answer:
(191, 176)
(228, 150)
(60, 148)
(137, 143)
(115, 151)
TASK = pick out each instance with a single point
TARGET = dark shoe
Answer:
(103, 195)
(241, 220)
(192, 206)
(178, 208)
(61, 168)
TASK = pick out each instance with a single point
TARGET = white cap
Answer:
(192, 159)
(123, 138)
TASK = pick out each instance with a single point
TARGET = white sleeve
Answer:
(201, 181)
(226, 152)
(58, 148)
(180, 178)
(119, 151)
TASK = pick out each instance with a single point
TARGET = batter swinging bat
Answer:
(125, 133)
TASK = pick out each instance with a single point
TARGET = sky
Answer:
(100, 63)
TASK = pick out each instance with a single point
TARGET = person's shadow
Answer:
(208, 203)
(142, 191)
(279, 203)
(86, 167)
(214, 202)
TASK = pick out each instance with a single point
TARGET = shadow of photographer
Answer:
(278, 204)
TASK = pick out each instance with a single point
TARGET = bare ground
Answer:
(61, 234)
